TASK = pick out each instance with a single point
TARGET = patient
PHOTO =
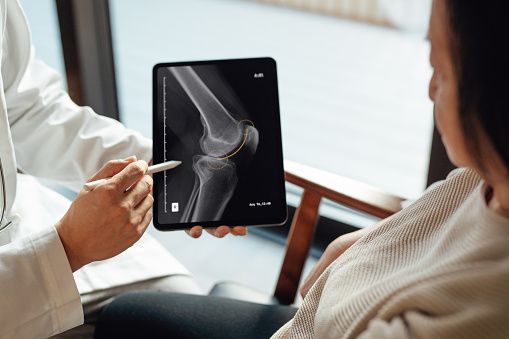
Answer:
(437, 269)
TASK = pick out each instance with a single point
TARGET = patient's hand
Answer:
(219, 232)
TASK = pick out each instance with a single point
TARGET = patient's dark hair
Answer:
(480, 31)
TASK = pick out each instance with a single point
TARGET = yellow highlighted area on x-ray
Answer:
(228, 156)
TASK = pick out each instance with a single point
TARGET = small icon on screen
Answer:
(174, 206)
(258, 75)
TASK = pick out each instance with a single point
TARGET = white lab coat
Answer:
(44, 134)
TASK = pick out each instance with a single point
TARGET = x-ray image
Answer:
(221, 119)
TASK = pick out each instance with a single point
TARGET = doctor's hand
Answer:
(110, 218)
(218, 232)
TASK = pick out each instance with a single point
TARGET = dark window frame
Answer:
(87, 45)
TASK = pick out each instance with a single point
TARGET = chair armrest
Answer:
(344, 191)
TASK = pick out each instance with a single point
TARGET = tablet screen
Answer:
(221, 119)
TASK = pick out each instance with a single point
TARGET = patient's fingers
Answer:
(219, 232)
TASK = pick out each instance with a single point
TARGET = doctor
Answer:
(43, 237)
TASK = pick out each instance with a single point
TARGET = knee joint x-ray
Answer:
(221, 119)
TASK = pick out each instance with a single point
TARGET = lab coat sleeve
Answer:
(38, 294)
(53, 137)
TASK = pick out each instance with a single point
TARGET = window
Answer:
(43, 20)
(353, 95)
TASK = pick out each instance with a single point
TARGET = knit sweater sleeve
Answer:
(468, 303)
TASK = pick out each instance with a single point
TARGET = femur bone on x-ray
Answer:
(224, 139)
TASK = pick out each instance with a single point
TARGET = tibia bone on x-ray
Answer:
(224, 137)
(212, 190)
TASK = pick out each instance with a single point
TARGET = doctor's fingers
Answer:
(141, 215)
(139, 190)
(111, 168)
(219, 232)
(129, 176)
(145, 205)
(223, 231)
(144, 223)
(134, 218)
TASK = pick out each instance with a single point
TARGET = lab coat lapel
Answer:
(6, 146)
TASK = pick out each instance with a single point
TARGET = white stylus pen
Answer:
(151, 169)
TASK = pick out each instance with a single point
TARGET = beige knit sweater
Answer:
(437, 269)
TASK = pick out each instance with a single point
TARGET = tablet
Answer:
(221, 119)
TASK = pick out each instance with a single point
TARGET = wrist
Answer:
(74, 259)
